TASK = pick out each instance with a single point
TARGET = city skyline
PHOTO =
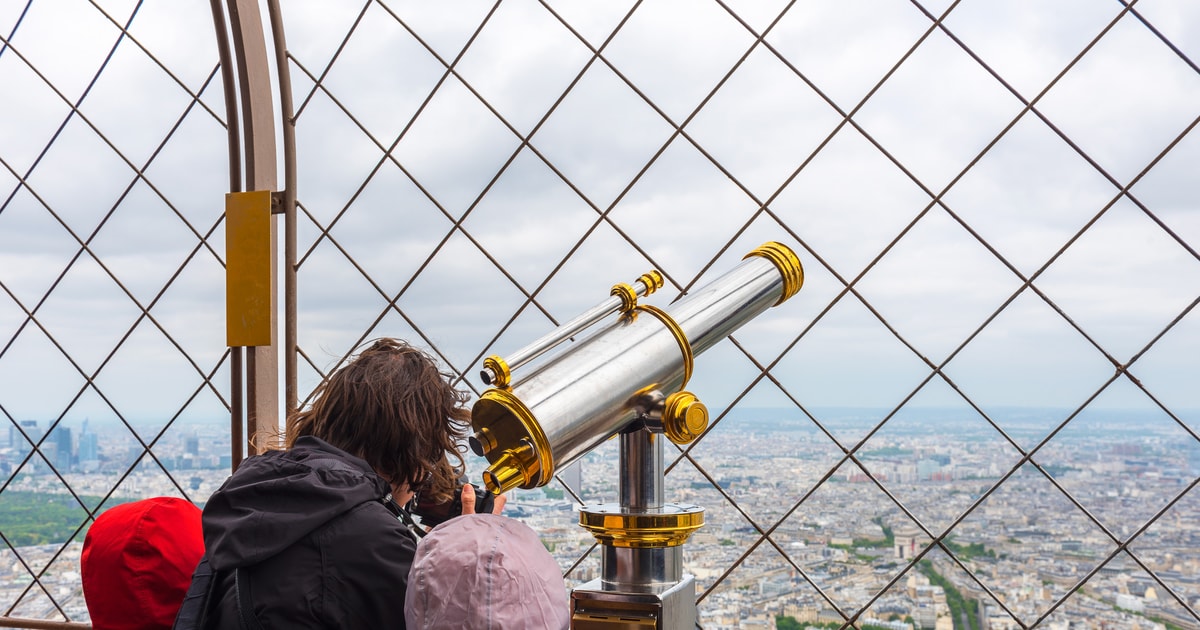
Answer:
(838, 534)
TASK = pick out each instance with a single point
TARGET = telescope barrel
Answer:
(588, 392)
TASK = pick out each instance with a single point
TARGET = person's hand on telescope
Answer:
(468, 501)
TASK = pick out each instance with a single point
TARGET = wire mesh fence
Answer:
(980, 409)
(112, 115)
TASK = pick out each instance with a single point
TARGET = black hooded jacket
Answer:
(317, 543)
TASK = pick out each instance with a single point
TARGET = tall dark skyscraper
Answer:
(64, 453)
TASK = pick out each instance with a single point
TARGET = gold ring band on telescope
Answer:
(788, 264)
(685, 346)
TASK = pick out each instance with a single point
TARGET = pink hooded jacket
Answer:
(485, 572)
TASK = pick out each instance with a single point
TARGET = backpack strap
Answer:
(193, 612)
(245, 604)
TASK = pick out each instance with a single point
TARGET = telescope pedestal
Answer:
(642, 584)
(669, 608)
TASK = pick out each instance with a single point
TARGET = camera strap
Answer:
(414, 529)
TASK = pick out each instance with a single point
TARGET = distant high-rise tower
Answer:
(89, 447)
(64, 452)
(32, 434)
(191, 445)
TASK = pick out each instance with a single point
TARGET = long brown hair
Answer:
(393, 407)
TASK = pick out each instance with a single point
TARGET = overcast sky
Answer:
(770, 155)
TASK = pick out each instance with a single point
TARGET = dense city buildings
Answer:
(1096, 528)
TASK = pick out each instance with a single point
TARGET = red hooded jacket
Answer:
(137, 563)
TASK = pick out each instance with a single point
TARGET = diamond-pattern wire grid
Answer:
(111, 267)
(418, 213)
(412, 303)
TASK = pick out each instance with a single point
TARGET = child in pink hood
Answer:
(485, 572)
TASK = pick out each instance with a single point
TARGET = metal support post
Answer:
(642, 583)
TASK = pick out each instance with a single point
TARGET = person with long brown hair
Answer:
(316, 535)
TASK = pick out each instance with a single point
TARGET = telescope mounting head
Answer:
(633, 367)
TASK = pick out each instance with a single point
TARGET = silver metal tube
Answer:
(555, 337)
(633, 568)
(712, 312)
(548, 341)
(641, 466)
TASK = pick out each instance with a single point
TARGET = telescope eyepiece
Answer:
(482, 441)
(495, 372)
(507, 473)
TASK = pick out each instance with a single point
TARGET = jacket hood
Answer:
(137, 563)
(485, 571)
(278, 498)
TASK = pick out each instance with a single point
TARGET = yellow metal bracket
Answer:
(248, 268)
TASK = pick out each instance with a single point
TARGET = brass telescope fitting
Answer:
(500, 375)
(685, 347)
(527, 463)
(684, 417)
(788, 263)
(670, 527)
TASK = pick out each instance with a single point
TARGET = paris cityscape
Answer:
(1094, 529)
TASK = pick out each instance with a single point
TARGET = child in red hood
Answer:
(137, 563)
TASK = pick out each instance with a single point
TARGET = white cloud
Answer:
(1027, 196)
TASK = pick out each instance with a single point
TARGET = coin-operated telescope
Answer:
(627, 378)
